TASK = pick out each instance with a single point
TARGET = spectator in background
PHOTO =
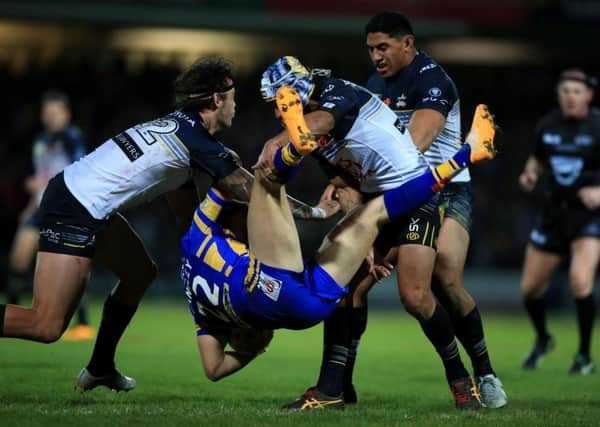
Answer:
(567, 147)
(59, 144)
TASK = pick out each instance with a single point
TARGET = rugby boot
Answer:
(115, 381)
(314, 399)
(481, 136)
(540, 349)
(466, 396)
(582, 365)
(292, 113)
(491, 391)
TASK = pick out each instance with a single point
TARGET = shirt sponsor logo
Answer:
(329, 105)
(551, 139)
(584, 140)
(128, 146)
(566, 169)
(401, 101)
(270, 286)
(427, 67)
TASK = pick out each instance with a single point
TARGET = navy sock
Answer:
(115, 318)
(336, 337)
(586, 310)
(469, 331)
(286, 163)
(358, 325)
(536, 308)
(439, 331)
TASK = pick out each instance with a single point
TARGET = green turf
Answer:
(398, 377)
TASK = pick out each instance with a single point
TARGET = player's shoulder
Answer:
(425, 67)
(594, 115)
(376, 83)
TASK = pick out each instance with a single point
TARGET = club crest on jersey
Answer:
(269, 286)
(401, 101)
(435, 92)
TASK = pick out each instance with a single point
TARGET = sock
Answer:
(414, 193)
(115, 318)
(358, 325)
(2, 313)
(536, 308)
(14, 286)
(336, 333)
(469, 331)
(586, 310)
(439, 331)
(287, 161)
(82, 318)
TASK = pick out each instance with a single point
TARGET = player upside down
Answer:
(238, 293)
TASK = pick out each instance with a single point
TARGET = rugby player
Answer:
(567, 149)
(80, 219)
(239, 293)
(363, 143)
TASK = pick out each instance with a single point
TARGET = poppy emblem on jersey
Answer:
(435, 92)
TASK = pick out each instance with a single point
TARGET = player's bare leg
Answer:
(120, 249)
(453, 243)
(537, 272)
(272, 232)
(59, 282)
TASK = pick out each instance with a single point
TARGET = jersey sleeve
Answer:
(337, 98)
(213, 158)
(435, 91)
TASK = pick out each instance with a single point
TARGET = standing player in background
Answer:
(426, 102)
(58, 145)
(567, 146)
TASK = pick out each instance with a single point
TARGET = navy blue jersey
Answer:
(570, 150)
(424, 84)
(145, 161)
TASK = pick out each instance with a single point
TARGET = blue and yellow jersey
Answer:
(227, 287)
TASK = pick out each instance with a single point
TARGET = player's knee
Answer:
(416, 301)
(581, 283)
(212, 373)
(48, 331)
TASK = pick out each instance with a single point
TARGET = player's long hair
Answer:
(194, 87)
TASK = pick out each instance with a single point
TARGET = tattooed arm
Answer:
(237, 187)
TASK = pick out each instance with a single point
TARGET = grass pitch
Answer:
(398, 376)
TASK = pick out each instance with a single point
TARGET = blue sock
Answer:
(285, 170)
(414, 193)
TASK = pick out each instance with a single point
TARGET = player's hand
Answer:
(590, 196)
(265, 161)
(378, 270)
(527, 180)
(327, 206)
(348, 198)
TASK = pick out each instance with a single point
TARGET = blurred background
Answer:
(117, 61)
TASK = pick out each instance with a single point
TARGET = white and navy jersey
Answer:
(52, 152)
(367, 143)
(425, 84)
(145, 161)
(570, 150)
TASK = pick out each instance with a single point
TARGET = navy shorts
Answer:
(457, 203)
(66, 227)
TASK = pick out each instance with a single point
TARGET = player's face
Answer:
(574, 98)
(389, 54)
(226, 111)
(55, 116)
